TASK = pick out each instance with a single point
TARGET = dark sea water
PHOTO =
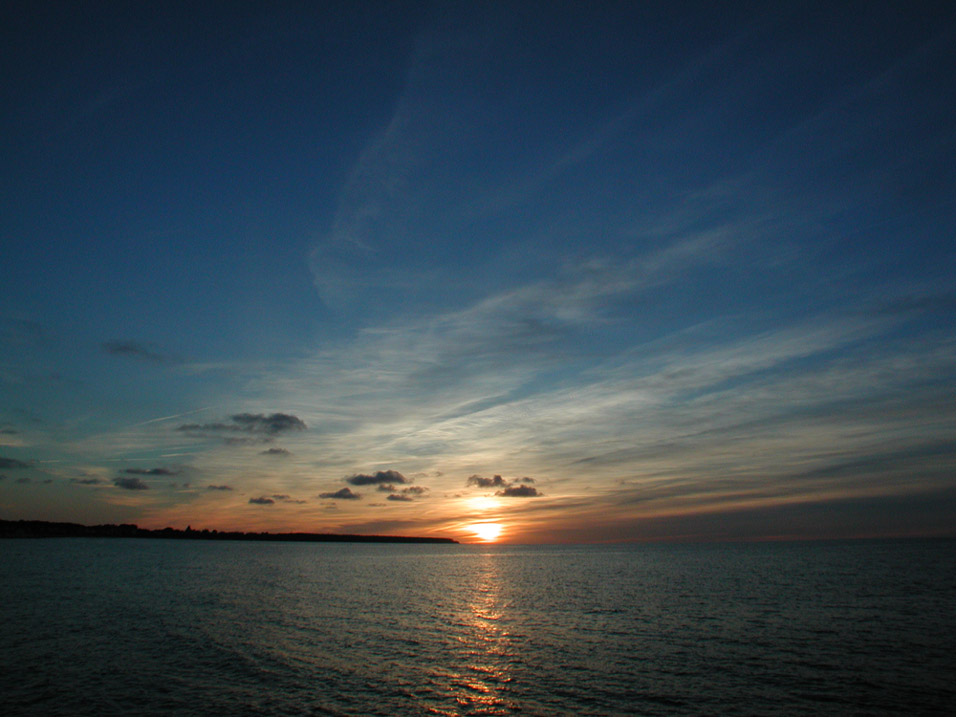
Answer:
(150, 627)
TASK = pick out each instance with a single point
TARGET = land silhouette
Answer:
(45, 529)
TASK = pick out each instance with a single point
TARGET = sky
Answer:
(587, 272)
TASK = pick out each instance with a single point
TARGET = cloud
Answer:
(233, 441)
(130, 484)
(481, 482)
(8, 431)
(344, 494)
(87, 481)
(519, 491)
(138, 351)
(379, 477)
(12, 463)
(509, 489)
(275, 452)
(405, 494)
(218, 487)
(260, 424)
(150, 472)
(23, 480)
(262, 500)
(271, 424)
(281, 496)
(2, 477)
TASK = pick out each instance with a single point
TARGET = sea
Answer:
(96, 626)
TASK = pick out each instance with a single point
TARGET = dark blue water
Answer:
(110, 626)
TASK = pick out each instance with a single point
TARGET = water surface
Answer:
(126, 626)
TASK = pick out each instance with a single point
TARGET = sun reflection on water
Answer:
(480, 682)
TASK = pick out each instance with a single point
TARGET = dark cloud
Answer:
(12, 463)
(87, 481)
(262, 500)
(8, 431)
(401, 493)
(271, 424)
(138, 351)
(218, 487)
(518, 488)
(260, 424)
(2, 477)
(150, 472)
(275, 452)
(481, 482)
(344, 494)
(282, 496)
(388, 476)
(519, 491)
(130, 484)
(23, 480)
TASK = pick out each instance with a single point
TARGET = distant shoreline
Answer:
(45, 529)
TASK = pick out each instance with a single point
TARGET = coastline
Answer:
(46, 529)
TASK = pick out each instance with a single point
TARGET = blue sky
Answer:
(671, 272)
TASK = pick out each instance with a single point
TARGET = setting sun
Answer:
(488, 532)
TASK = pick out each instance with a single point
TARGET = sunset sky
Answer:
(584, 271)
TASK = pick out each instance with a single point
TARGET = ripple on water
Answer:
(175, 627)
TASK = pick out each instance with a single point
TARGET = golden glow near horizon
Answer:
(487, 532)
(482, 503)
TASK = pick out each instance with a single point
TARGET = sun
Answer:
(488, 532)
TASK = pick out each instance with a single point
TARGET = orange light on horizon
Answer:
(487, 532)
